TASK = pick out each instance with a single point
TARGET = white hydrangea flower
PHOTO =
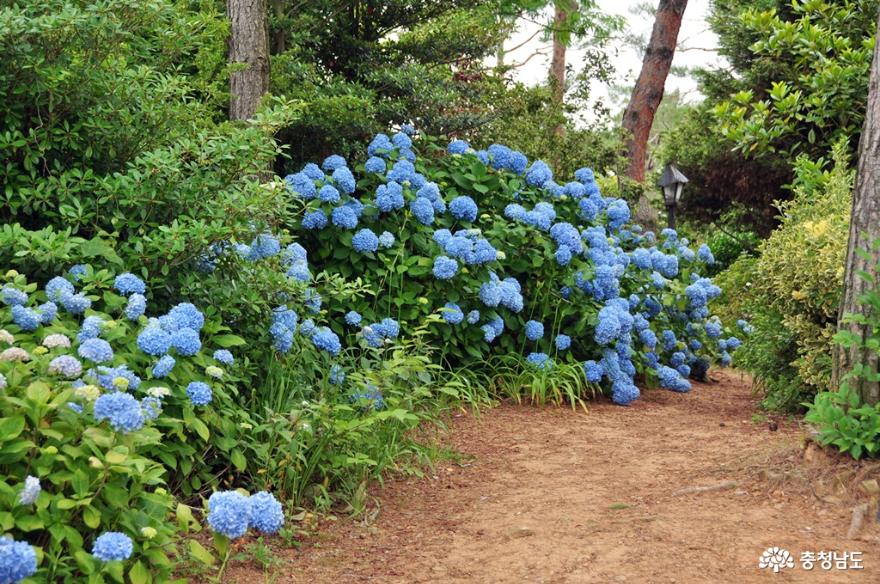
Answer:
(56, 340)
(214, 371)
(87, 392)
(30, 492)
(14, 354)
(6, 337)
(2, 382)
(159, 392)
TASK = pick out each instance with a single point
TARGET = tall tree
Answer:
(648, 91)
(557, 64)
(248, 46)
(861, 254)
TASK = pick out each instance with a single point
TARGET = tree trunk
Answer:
(646, 96)
(648, 91)
(557, 64)
(248, 44)
(279, 35)
(864, 230)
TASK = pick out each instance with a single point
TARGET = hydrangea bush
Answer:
(546, 270)
(108, 410)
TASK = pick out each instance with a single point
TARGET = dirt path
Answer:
(557, 496)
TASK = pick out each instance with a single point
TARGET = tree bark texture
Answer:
(557, 64)
(864, 230)
(248, 44)
(648, 91)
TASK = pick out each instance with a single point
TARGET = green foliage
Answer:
(841, 417)
(95, 479)
(792, 289)
(845, 423)
(820, 53)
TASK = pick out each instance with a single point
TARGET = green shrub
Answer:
(841, 417)
(97, 476)
(792, 290)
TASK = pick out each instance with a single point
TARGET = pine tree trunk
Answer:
(557, 68)
(557, 64)
(248, 44)
(864, 230)
(648, 91)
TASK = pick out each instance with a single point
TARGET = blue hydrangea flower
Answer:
(137, 305)
(154, 341)
(307, 327)
(264, 245)
(344, 217)
(618, 213)
(325, 339)
(303, 185)
(344, 180)
(733, 344)
(12, 296)
(386, 240)
(534, 330)
(76, 303)
(563, 255)
(163, 367)
(713, 329)
(314, 220)
(229, 513)
(563, 342)
(401, 172)
(726, 359)
(224, 356)
(199, 393)
(608, 327)
(380, 144)
(445, 268)
(473, 317)
(463, 208)
(333, 162)
(128, 283)
(313, 171)
(26, 318)
(538, 174)
(540, 360)
(365, 241)
(375, 164)
(57, 287)
(18, 560)
(452, 313)
(329, 194)
(671, 379)
(121, 409)
(66, 366)
(584, 175)
(47, 311)
(353, 318)
(96, 350)
(422, 210)
(312, 300)
(389, 197)
(457, 147)
(186, 341)
(402, 140)
(267, 515)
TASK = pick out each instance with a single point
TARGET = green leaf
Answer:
(11, 427)
(238, 459)
(139, 574)
(199, 552)
(227, 341)
(200, 428)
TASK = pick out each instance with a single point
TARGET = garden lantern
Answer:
(672, 182)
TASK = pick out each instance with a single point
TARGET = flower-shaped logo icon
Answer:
(776, 559)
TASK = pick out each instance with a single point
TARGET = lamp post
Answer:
(672, 182)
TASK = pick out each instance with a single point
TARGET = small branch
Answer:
(525, 42)
(719, 487)
(541, 52)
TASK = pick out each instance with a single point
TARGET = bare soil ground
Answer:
(560, 496)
